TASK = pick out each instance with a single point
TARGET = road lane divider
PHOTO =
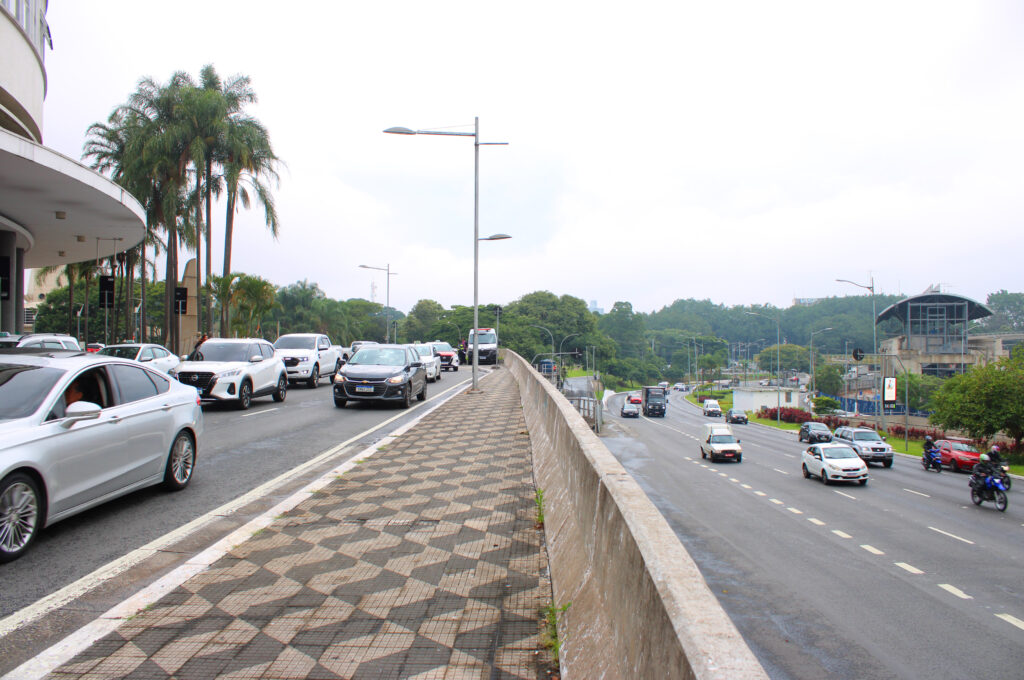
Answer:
(795, 511)
(908, 567)
(815, 521)
(852, 498)
(918, 493)
(946, 533)
(955, 591)
(841, 534)
(259, 413)
(1011, 620)
(872, 549)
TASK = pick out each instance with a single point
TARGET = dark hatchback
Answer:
(381, 373)
(736, 415)
(629, 411)
(814, 432)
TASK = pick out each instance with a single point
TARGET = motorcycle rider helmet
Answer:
(984, 458)
(928, 438)
(995, 448)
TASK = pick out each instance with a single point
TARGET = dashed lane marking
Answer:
(1012, 620)
(918, 493)
(841, 534)
(872, 549)
(780, 471)
(955, 591)
(760, 493)
(815, 520)
(908, 567)
(260, 412)
(746, 486)
(776, 501)
(733, 479)
(852, 498)
(946, 533)
(795, 511)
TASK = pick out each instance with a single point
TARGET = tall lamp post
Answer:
(874, 339)
(387, 298)
(813, 333)
(778, 364)
(475, 134)
(553, 355)
(572, 335)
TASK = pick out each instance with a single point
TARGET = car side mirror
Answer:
(80, 410)
(739, 441)
(146, 359)
(817, 455)
(416, 364)
(255, 358)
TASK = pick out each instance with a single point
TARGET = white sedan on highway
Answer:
(834, 462)
(431, 360)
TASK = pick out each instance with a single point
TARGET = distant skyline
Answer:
(742, 152)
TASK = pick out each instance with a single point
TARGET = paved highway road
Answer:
(284, 444)
(902, 578)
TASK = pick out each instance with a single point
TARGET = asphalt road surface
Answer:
(273, 448)
(901, 578)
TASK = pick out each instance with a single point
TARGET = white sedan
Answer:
(77, 430)
(157, 356)
(834, 462)
(431, 361)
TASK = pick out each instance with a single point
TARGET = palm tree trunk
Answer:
(142, 296)
(199, 259)
(229, 224)
(70, 271)
(209, 248)
(85, 311)
(170, 283)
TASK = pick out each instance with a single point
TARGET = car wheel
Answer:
(314, 377)
(800, 437)
(824, 477)
(863, 482)
(807, 475)
(340, 403)
(245, 395)
(407, 398)
(456, 369)
(422, 396)
(282, 389)
(20, 514)
(887, 463)
(438, 376)
(739, 459)
(180, 462)
(953, 466)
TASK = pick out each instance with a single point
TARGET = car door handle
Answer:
(114, 419)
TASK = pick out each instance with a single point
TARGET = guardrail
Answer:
(591, 409)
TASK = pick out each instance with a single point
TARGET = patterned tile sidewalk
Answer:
(422, 562)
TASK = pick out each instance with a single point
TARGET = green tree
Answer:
(791, 357)
(625, 328)
(985, 400)
(255, 298)
(828, 378)
(1007, 313)
(921, 388)
(422, 319)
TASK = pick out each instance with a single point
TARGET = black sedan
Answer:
(736, 415)
(629, 411)
(392, 373)
(811, 432)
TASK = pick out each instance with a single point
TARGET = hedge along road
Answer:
(901, 578)
(247, 462)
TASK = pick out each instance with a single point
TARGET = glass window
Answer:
(23, 388)
(146, 353)
(295, 342)
(119, 352)
(224, 351)
(134, 383)
(267, 350)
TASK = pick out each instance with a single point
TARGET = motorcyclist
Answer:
(994, 457)
(930, 449)
(982, 469)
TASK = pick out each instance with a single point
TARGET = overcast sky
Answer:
(744, 152)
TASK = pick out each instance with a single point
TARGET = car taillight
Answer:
(199, 402)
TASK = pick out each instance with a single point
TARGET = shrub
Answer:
(786, 414)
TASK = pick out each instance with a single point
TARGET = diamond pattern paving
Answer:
(423, 562)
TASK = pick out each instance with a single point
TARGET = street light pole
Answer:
(879, 410)
(387, 298)
(573, 335)
(475, 134)
(552, 338)
(778, 364)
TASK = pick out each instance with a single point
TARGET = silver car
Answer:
(157, 356)
(79, 429)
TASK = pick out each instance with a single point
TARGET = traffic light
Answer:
(180, 300)
(107, 292)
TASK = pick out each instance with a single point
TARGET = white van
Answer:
(711, 408)
(718, 441)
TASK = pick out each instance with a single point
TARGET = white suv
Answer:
(234, 369)
(307, 356)
(867, 443)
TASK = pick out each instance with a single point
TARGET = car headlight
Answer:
(229, 374)
(339, 378)
(833, 466)
(397, 379)
(303, 360)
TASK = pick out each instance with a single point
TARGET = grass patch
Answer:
(577, 373)
(538, 500)
(550, 637)
(771, 423)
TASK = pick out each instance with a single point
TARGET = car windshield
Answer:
(379, 356)
(723, 439)
(816, 426)
(866, 437)
(212, 350)
(957, 446)
(295, 342)
(424, 350)
(23, 388)
(738, 413)
(486, 338)
(126, 352)
(840, 452)
(443, 347)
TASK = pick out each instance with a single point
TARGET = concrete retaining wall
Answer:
(640, 607)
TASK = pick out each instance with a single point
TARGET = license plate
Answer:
(727, 455)
(364, 388)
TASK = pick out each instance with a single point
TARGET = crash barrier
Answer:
(590, 409)
(638, 606)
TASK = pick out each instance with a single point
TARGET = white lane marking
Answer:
(1011, 619)
(733, 479)
(956, 591)
(908, 567)
(780, 471)
(841, 534)
(872, 549)
(795, 511)
(259, 413)
(746, 486)
(723, 474)
(776, 501)
(112, 569)
(917, 493)
(815, 520)
(687, 458)
(789, 455)
(946, 533)
(760, 493)
(852, 498)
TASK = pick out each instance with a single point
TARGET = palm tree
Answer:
(223, 292)
(255, 297)
(248, 158)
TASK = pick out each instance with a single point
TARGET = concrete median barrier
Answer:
(640, 607)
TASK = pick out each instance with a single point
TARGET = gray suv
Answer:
(867, 443)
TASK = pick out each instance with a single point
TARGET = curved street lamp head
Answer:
(495, 237)
(400, 131)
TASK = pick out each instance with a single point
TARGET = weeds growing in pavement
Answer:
(538, 500)
(550, 636)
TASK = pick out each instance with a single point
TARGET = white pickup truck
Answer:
(308, 357)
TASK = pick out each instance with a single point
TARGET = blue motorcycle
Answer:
(931, 459)
(988, 488)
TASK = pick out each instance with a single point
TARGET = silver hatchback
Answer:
(79, 429)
